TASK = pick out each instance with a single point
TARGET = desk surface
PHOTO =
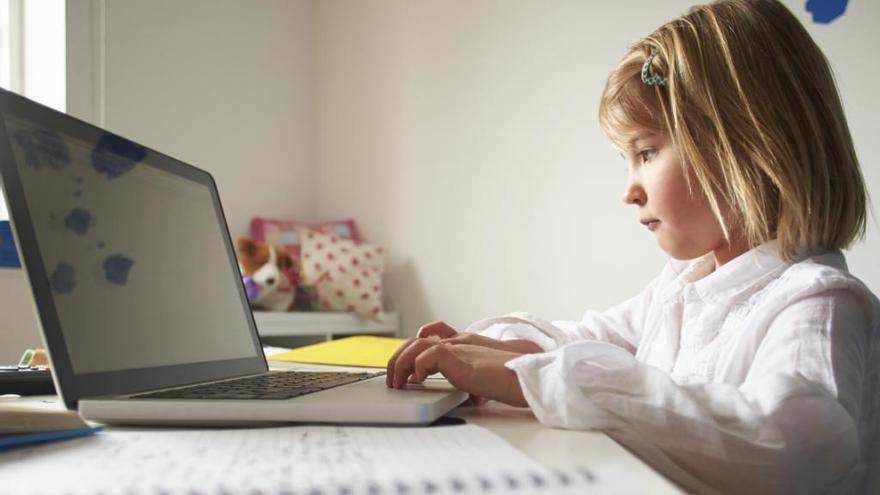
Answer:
(562, 449)
(554, 448)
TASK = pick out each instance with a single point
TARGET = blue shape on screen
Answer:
(116, 268)
(63, 279)
(8, 254)
(826, 11)
(343, 231)
(114, 156)
(79, 221)
(43, 148)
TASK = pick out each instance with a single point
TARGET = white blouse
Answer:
(758, 377)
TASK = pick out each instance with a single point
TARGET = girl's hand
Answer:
(432, 331)
(436, 329)
(402, 363)
(475, 369)
(449, 335)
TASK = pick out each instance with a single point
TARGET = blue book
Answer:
(7, 442)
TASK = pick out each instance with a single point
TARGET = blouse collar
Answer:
(740, 273)
(699, 276)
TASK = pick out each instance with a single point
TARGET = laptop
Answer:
(139, 295)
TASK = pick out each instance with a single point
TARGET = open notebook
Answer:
(307, 459)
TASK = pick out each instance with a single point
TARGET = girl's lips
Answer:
(652, 224)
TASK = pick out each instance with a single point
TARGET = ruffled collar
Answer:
(700, 278)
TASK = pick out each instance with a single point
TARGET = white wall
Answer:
(18, 323)
(464, 136)
(460, 134)
(222, 84)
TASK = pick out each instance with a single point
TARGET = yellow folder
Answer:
(361, 350)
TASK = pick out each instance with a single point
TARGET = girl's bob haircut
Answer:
(751, 104)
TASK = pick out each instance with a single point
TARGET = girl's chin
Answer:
(680, 251)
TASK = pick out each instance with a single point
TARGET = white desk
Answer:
(554, 448)
(562, 449)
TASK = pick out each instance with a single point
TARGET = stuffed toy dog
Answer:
(268, 274)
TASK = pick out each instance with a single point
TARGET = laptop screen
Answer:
(131, 251)
(135, 254)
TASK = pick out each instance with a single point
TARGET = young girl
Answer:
(751, 363)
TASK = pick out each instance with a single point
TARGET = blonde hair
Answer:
(753, 108)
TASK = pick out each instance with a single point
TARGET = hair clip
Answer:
(655, 79)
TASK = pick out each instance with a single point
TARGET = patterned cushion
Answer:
(348, 275)
(285, 233)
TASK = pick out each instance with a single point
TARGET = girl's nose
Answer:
(634, 194)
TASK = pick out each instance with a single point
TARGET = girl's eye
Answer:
(647, 155)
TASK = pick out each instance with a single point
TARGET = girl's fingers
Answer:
(404, 365)
(471, 339)
(438, 358)
(459, 338)
(437, 329)
(389, 369)
(427, 362)
(466, 338)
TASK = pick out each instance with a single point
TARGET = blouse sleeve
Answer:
(790, 427)
(619, 325)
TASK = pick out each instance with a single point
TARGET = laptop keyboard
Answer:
(272, 385)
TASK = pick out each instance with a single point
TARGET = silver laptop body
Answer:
(365, 402)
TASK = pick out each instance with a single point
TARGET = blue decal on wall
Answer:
(826, 11)
(63, 279)
(79, 221)
(114, 156)
(8, 255)
(43, 148)
(116, 268)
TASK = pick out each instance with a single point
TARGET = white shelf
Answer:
(324, 324)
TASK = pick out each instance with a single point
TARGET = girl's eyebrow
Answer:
(641, 137)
